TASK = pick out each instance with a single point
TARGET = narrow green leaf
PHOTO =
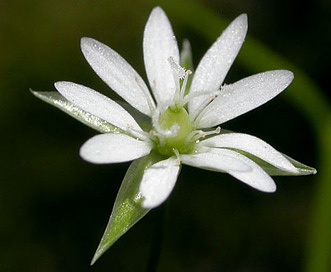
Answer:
(57, 100)
(127, 209)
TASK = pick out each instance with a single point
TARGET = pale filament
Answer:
(139, 134)
(177, 156)
(196, 135)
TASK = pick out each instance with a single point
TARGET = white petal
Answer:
(118, 74)
(158, 182)
(257, 178)
(159, 44)
(252, 145)
(235, 164)
(216, 63)
(113, 148)
(222, 160)
(97, 104)
(244, 95)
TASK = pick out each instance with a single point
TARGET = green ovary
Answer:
(175, 117)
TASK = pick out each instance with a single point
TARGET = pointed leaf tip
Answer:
(127, 209)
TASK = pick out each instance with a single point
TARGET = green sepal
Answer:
(186, 61)
(57, 100)
(303, 169)
(274, 171)
(127, 209)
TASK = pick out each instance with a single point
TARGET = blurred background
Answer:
(54, 206)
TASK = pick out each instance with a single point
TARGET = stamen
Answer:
(198, 134)
(177, 156)
(183, 88)
(177, 74)
(207, 133)
(139, 134)
(210, 97)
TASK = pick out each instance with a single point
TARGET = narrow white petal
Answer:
(159, 44)
(216, 63)
(244, 95)
(113, 148)
(252, 145)
(158, 182)
(257, 178)
(222, 160)
(97, 104)
(118, 74)
(235, 164)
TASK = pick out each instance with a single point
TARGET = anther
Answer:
(206, 133)
(183, 88)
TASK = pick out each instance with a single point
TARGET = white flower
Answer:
(183, 109)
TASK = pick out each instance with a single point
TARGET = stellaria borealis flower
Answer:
(174, 122)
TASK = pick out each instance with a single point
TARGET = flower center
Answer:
(173, 132)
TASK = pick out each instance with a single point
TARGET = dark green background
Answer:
(54, 206)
